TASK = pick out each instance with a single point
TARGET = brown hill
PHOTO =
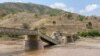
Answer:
(48, 21)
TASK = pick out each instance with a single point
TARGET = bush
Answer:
(13, 36)
(36, 15)
(92, 33)
(81, 18)
(84, 34)
(89, 25)
(69, 16)
(8, 36)
(25, 26)
(35, 29)
(54, 22)
(54, 12)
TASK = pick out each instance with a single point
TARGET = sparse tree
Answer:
(94, 17)
(69, 15)
(35, 29)
(89, 25)
(54, 22)
(36, 15)
(25, 26)
(81, 18)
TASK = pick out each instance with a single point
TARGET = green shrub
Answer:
(84, 34)
(89, 25)
(69, 15)
(25, 26)
(36, 15)
(9, 36)
(81, 18)
(54, 12)
(92, 33)
(35, 29)
(13, 36)
(54, 22)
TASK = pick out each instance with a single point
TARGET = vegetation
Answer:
(89, 25)
(54, 12)
(33, 15)
(25, 26)
(12, 8)
(8, 36)
(94, 17)
(13, 36)
(35, 29)
(54, 22)
(36, 15)
(43, 30)
(69, 15)
(81, 18)
(93, 33)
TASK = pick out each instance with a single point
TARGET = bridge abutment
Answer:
(33, 42)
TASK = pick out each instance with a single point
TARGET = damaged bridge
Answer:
(34, 38)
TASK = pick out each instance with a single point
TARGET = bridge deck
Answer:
(14, 31)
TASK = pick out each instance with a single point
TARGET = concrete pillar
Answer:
(64, 40)
(33, 42)
(70, 39)
(75, 37)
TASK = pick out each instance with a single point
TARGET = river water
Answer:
(56, 51)
(71, 49)
(67, 51)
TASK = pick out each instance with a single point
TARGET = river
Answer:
(73, 49)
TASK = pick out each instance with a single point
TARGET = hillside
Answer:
(8, 8)
(32, 16)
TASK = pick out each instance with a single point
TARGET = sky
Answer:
(84, 7)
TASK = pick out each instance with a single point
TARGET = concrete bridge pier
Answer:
(33, 42)
(64, 40)
(72, 38)
(69, 39)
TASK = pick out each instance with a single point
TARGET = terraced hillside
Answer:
(48, 20)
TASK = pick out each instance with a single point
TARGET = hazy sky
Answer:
(85, 7)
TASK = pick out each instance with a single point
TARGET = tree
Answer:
(89, 25)
(25, 26)
(36, 15)
(54, 22)
(54, 12)
(81, 18)
(69, 15)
